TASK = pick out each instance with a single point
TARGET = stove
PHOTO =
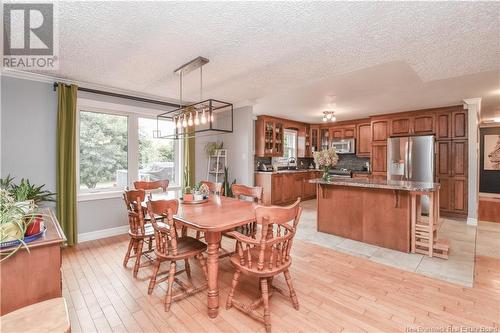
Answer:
(341, 173)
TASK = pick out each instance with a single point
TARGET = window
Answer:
(103, 150)
(118, 148)
(156, 156)
(290, 147)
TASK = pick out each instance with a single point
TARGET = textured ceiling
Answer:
(287, 58)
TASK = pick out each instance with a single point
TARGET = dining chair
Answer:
(139, 230)
(171, 247)
(266, 257)
(215, 188)
(144, 185)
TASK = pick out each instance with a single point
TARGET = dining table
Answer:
(217, 215)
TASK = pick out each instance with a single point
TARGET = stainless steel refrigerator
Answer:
(411, 158)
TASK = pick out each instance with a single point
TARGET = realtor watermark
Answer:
(451, 329)
(30, 35)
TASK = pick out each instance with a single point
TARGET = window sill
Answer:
(113, 194)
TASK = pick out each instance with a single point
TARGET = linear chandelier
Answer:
(203, 118)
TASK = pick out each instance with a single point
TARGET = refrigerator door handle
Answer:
(410, 159)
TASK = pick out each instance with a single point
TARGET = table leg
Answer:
(213, 241)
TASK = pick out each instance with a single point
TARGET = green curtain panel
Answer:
(189, 160)
(66, 160)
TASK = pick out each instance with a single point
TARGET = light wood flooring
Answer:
(337, 293)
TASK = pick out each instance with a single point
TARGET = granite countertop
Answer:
(403, 185)
(285, 171)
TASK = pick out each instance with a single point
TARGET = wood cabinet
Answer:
(35, 276)
(379, 158)
(424, 124)
(315, 138)
(364, 139)
(401, 126)
(336, 133)
(443, 125)
(286, 187)
(459, 124)
(269, 137)
(349, 132)
(443, 158)
(380, 131)
(324, 138)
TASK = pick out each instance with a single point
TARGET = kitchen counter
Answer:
(380, 184)
(285, 171)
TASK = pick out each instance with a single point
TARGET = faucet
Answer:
(291, 159)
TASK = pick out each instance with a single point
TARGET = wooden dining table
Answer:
(214, 217)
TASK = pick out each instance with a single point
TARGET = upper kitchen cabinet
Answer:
(268, 137)
(336, 133)
(380, 131)
(364, 139)
(349, 132)
(443, 125)
(401, 126)
(459, 124)
(324, 138)
(424, 124)
(315, 138)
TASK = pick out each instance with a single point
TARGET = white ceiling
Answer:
(287, 58)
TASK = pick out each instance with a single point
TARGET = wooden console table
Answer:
(31, 277)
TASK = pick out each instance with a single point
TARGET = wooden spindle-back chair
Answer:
(266, 256)
(171, 247)
(144, 185)
(215, 188)
(139, 230)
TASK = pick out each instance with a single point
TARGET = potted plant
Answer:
(188, 196)
(325, 160)
(14, 222)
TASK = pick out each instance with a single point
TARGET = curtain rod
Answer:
(134, 98)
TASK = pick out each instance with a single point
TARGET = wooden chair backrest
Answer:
(133, 201)
(165, 233)
(215, 188)
(247, 191)
(144, 185)
(278, 227)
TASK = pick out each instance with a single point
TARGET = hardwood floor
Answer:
(337, 293)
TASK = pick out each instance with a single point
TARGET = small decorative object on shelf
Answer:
(325, 160)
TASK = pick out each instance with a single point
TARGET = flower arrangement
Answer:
(325, 160)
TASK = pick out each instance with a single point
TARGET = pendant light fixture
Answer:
(329, 116)
(206, 117)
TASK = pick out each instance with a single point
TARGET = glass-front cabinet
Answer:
(325, 138)
(269, 138)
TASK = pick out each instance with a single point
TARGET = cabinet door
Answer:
(288, 188)
(379, 158)
(315, 140)
(423, 124)
(443, 125)
(459, 160)
(276, 189)
(336, 133)
(349, 132)
(459, 198)
(301, 142)
(443, 158)
(400, 126)
(298, 186)
(325, 138)
(278, 139)
(445, 194)
(379, 131)
(459, 124)
(364, 141)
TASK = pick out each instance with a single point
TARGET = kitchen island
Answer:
(379, 212)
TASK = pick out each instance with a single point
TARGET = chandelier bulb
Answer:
(190, 120)
(324, 118)
(333, 118)
(197, 118)
(212, 118)
(184, 122)
(203, 117)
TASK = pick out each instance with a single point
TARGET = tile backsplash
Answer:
(352, 162)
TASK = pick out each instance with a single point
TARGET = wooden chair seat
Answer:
(253, 269)
(148, 232)
(186, 247)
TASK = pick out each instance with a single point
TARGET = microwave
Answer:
(344, 146)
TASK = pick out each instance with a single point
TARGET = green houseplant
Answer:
(13, 222)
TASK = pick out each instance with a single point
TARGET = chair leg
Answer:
(265, 300)
(198, 234)
(293, 295)
(236, 277)
(188, 268)
(140, 243)
(127, 255)
(168, 296)
(150, 244)
(152, 281)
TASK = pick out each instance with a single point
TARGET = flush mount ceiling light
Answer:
(329, 116)
(206, 117)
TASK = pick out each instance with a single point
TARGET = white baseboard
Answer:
(98, 234)
(472, 221)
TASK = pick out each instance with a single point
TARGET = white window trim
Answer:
(133, 114)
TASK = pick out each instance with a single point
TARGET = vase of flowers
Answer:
(325, 160)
